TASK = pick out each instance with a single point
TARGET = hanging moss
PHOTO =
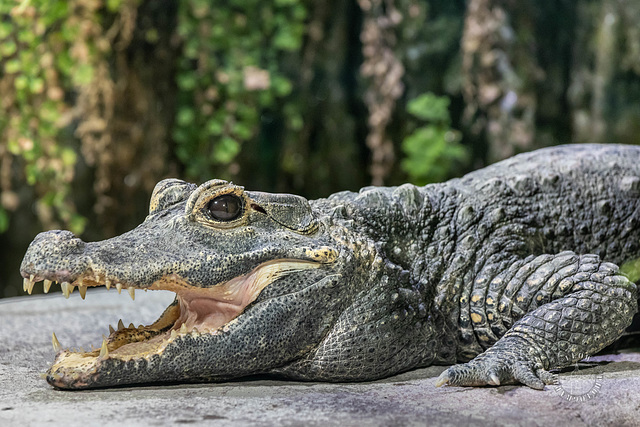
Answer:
(230, 72)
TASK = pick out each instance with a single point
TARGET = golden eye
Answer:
(225, 208)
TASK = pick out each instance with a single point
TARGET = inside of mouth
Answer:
(195, 311)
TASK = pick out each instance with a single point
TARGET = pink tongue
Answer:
(205, 313)
(214, 307)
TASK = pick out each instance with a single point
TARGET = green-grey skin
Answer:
(512, 268)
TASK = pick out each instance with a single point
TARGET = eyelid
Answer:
(197, 204)
(195, 197)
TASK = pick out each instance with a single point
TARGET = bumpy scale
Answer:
(512, 269)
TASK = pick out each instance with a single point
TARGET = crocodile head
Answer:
(255, 277)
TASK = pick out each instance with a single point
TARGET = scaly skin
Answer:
(512, 269)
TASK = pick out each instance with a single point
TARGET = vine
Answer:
(52, 53)
(229, 72)
(434, 148)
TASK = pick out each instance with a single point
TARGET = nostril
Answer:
(57, 241)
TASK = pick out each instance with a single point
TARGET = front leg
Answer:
(595, 304)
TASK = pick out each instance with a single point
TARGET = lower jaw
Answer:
(195, 313)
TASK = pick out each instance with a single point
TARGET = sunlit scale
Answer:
(199, 310)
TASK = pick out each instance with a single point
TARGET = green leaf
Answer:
(32, 173)
(69, 157)
(12, 66)
(65, 63)
(26, 36)
(242, 131)
(214, 127)
(186, 116)
(77, 224)
(83, 74)
(632, 269)
(282, 86)
(187, 81)
(286, 40)
(430, 152)
(8, 48)
(21, 82)
(225, 150)
(430, 107)
(113, 5)
(5, 30)
(36, 85)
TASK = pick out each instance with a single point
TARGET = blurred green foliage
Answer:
(46, 53)
(230, 72)
(632, 269)
(433, 149)
(235, 64)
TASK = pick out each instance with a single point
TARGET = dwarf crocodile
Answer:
(510, 271)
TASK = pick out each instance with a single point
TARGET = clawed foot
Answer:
(496, 369)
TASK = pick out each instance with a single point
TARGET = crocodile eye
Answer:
(225, 208)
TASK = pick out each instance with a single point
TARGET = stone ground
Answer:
(604, 392)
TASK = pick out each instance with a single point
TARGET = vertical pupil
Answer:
(225, 208)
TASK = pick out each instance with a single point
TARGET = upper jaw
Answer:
(137, 260)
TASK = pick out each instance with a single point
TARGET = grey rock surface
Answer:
(605, 392)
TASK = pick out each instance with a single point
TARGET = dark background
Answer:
(101, 99)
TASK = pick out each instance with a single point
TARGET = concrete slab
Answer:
(606, 393)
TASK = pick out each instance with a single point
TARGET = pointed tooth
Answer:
(30, 286)
(64, 286)
(82, 350)
(104, 351)
(111, 330)
(132, 293)
(183, 329)
(83, 291)
(80, 282)
(119, 287)
(55, 342)
(131, 326)
(120, 325)
(107, 284)
(25, 284)
(174, 333)
(47, 286)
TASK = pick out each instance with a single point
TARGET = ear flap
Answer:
(169, 192)
(288, 210)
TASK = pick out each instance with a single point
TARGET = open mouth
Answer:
(196, 311)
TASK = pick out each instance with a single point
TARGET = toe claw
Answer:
(493, 379)
(547, 377)
(443, 379)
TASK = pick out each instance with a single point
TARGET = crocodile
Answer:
(505, 274)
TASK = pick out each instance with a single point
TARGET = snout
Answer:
(54, 254)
